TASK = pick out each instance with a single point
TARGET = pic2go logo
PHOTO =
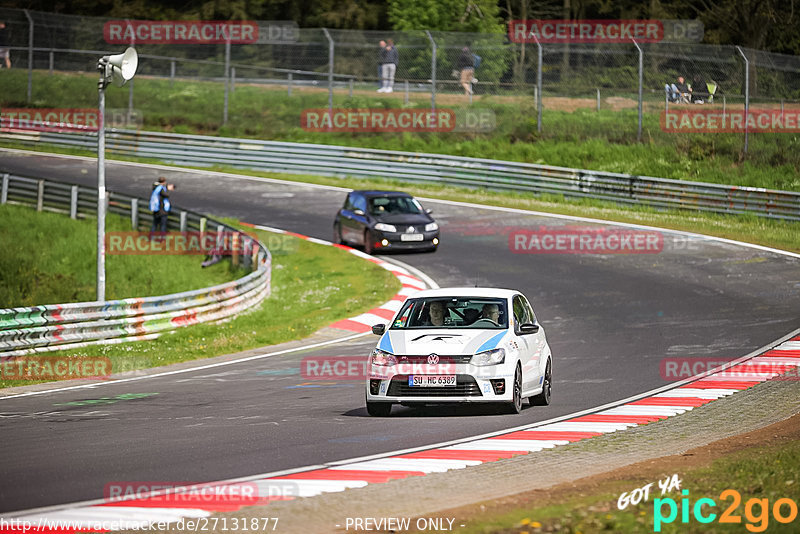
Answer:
(756, 511)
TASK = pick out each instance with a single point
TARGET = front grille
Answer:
(443, 359)
(465, 387)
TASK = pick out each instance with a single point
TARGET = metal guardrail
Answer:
(329, 160)
(61, 326)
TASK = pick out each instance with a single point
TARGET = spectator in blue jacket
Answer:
(160, 204)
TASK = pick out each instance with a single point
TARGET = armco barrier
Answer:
(329, 160)
(59, 326)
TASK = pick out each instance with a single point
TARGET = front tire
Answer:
(543, 398)
(515, 406)
(379, 409)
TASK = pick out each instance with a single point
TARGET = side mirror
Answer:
(527, 328)
(359, 212)
(428, 211)
(379, 329)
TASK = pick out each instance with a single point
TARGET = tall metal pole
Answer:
(101, 192)
(746, 96)
(30, 54)
(433, 71)
(641, 69)
(227, 71)
(538, 86)
(330, 72)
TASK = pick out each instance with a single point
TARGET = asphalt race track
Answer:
(610, 320)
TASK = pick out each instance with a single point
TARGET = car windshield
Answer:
(453, 312)
(393, 205)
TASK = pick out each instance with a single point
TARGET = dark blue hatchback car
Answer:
(385, 220)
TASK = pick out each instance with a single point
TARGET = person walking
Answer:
(466, 64)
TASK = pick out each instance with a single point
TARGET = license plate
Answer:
(431, 381)
(411, 237)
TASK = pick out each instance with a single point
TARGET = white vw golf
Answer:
(460, 345)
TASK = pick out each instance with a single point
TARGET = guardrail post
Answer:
(183, 221)
(134, 214)
(73, 202)
(172, 72)
(203, 224)
(220, 230)
(234, 249)
(30, 53)
(52, 61)
(289, 85)
(40, 195)
(4, 192)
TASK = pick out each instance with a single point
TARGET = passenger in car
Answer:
(436, 311)
(492, 312)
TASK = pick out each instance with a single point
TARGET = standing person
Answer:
(390, 67)
(381, 55)
(160, 204)
(466, 64)
(4, 57)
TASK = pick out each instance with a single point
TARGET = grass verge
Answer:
(49, 258)
(761, 474)
(312, 286)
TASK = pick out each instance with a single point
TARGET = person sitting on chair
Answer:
(678, 92)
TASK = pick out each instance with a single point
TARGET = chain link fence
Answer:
(430, 67)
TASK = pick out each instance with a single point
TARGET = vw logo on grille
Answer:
(433, 359)
(410, 230)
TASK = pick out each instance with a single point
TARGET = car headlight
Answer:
(383, 227)
(380, 357)
(430, 227)
(489, 357)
